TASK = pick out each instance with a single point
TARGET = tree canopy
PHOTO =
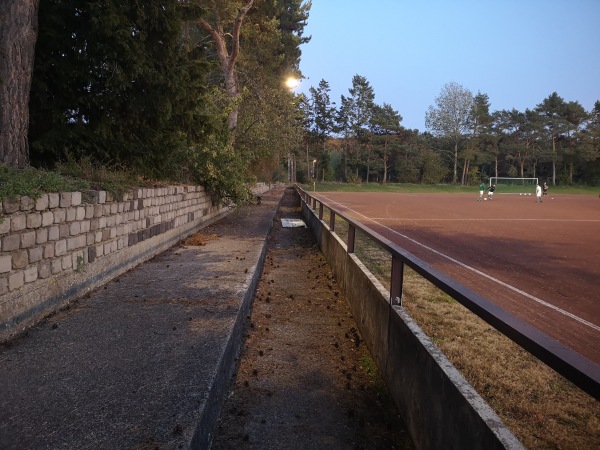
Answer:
(188, 90)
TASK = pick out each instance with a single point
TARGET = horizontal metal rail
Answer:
(579, 370)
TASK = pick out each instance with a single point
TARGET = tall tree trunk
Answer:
(455, 173)
(228, 59)
(553, 160)
(18, 35)
(385, 161)
(463, 178)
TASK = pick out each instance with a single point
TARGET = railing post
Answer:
(351, 235)
(396, 281)
(331, 220)
(321, 211)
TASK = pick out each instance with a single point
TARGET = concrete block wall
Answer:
(62, 245)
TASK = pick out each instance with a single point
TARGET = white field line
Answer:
(460, 219)
(478, 272)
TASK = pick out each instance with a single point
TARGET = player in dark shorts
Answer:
(491, 190)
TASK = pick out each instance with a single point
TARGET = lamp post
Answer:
(314, 174)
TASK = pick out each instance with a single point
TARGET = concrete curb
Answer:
(223, 373)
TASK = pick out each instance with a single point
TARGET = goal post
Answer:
(514, 185)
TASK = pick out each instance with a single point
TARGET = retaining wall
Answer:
(62, 245)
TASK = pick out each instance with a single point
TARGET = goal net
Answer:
(514, 185)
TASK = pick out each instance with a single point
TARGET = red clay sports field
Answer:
(541, 262)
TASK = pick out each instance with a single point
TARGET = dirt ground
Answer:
(305, 378)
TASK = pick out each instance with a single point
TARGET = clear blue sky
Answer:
(518, 52)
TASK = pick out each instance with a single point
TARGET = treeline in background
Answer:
(194, 91)
(358, 140)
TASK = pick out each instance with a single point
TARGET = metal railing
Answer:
(579, 370)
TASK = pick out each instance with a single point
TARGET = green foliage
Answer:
(112, 82)
(99, 177)
(222, 171)
(32, 182)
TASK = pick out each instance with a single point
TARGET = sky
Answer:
(518, 52)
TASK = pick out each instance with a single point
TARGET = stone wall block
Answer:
(48, 251)
(92, 197)
(65, 199)
(56, 266)
(28, 239)
(54, 233)
(47, 218)
(27, 203)
(75, 198)
(20, 259)
(34, 220)
(74, 228)
(67, 262)
(5, 263)
(10, 206)
(36, 254)
(63, 230)
(30, 274)
(101, 197)
(3, 285)
(76, 242)
(53, 200)
(16, 280)
(18, 222)
(60, 216)
(41, 204)
(11, 242)
(60, 248)
(4, 225)
(80, 213)
(71, 214)
(91, 254)
(41, 236)
(44, 270)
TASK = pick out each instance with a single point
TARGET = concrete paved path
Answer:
(144, 361)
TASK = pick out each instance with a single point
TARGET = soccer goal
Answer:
(514, 185)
